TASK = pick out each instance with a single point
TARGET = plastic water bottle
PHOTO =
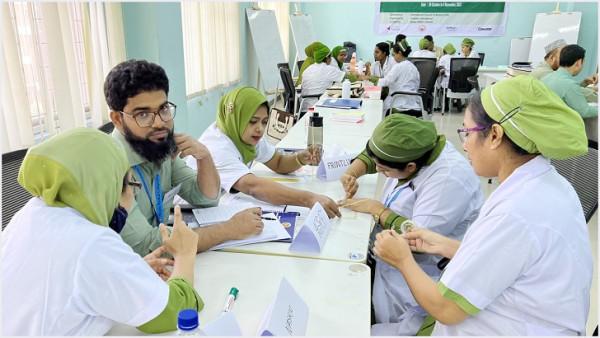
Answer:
(361, 66)
(315, 134)
(346, 89)
(353, 62)
(188, 324)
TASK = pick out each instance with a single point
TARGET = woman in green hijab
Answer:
(62, 252)
(236, 140)
(310, 58)
(339, 53)
(524, 267)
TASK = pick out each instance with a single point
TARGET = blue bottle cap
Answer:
(187, 319)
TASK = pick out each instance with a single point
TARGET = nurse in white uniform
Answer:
(384, 61)
(444, 66)
(428, 183)
(404, 76)
(319, 76)
(467, 50)
(65, 271)
(235, 140)
(524, 267)
(424, 50)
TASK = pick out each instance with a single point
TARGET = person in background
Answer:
(339, 54)
(551, 60)
(444, 69)
(563, 83)
(310, 58)
(319, 76)
(136, 92)
(399, 38)
(425, 50)
(429, 183)
(384, 62)
(524, 266)
(433, 47)
(404, 76)
(65, 270)
(467, 50)
(236, 140)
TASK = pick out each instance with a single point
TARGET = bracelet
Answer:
(377, 216)
(298, 160)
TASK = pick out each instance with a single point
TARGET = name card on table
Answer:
(287, 315)
(314, 231)
(334, 163)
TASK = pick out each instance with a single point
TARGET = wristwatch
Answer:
(378, 215)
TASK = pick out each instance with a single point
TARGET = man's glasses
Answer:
(146, 118)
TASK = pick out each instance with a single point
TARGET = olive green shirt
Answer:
(570, 91)
(141, 229)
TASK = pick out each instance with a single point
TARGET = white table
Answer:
(337, 293)
(352, 136)
(348, 238)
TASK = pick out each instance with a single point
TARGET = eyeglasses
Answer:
(463, 133)
(146, 118)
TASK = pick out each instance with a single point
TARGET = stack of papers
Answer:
(348, 116)
(205, 216)
(340, 103)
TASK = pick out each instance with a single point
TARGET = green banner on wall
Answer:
(441, 18)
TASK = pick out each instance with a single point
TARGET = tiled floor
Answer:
(447, 125)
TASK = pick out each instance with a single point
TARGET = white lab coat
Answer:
(65, 276)
(442, 81)
(472, 55)
(404, 76)
(227, 158)
(317, 78)
(383, 71)
(423, 53)
(444, 197)
(526, 261)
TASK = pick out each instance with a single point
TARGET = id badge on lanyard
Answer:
(157, 207)
(395, 193)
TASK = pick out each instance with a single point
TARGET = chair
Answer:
(428, 73)
(107, 128)
(291, 94)
(426, 115)
(481, 57)
(458, 84)
(582, 173)
(351, 47)
(14, 196)
(299, 63)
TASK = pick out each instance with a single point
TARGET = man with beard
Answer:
(136, 92)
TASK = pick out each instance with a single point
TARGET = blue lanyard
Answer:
(158, 209)
(390, 199)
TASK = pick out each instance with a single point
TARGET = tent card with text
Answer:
(287, 315)
(334, 163)
(314, 231)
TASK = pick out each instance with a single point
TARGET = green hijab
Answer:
(321, 52)
(424, 43)
(81, 168)
(335, 52)
(535, 118)
(309, 50)
(468, 42)
(236, 109)
(449, 49)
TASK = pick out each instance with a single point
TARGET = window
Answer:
(52, 69)
(211, 44)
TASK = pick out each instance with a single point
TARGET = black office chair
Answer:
(582, 173)
(299, 63)
(481, 57)
(351, 48)
(428, 73)
(107, 128)
(459, 86)
(291, 94)
(14, 197)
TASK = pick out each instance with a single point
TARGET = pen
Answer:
(268, 218)
(231, 297)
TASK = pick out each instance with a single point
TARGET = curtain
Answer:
(211, 40)
(54, 59)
